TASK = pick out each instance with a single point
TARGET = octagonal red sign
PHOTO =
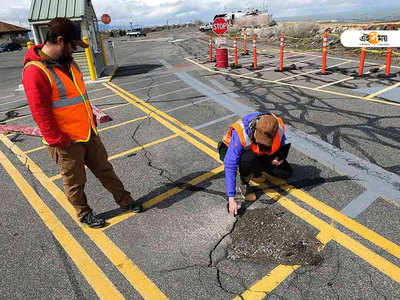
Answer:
(106, 19)
(220, 26)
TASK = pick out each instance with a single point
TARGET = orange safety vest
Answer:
(70, 102)
(246, 141)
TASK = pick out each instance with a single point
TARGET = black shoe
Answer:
(134, 206)
(93, 221)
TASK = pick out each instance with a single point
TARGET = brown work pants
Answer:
(72, 161)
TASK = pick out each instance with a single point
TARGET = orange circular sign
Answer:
(106, 19)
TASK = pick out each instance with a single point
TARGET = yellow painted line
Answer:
(139, 281)
(154, 114)
(375, 260)
(153, 109)
(295, 85)
(176, 190)
(389, 88)
(103, 287)
(100, 98)
(96, 90)
(116, 106)
(163, 196)
(268, 283)
(19, 118)
(133, 150)
(130, 151)
(123, 123)
(14, 101)
(309, 72)
(338, 217)
(333, 83)
(100, 130)
(35, 149)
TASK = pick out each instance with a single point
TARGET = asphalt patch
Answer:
(270, 235)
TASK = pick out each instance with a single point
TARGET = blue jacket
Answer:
(232, 158)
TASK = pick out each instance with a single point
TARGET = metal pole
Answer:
(103, 50)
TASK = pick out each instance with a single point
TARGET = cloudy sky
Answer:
(155, 12)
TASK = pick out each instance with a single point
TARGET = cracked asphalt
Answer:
(312, 237)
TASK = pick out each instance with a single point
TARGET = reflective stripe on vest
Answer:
(242, 135)
(60, 86)
(67, 102)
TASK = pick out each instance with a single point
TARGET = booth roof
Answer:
(42, 10)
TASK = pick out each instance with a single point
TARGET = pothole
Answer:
(271, 235)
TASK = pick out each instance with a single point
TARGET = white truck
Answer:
(206, 27)
(136, 32)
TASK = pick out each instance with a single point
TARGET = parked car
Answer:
(136, 32)
(206, 27)
(6, 47)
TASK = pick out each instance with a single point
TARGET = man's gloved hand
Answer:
(233, 206)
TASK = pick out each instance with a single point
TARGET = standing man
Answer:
(60, 106)
(253, 144)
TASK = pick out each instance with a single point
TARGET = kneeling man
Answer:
(254, 144)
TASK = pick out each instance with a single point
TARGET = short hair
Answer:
(60, 27)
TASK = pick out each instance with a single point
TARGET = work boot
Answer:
(93, 221)
(134, 206)
(259, 178)
(245, 191)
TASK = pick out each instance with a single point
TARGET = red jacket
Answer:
(38, 92)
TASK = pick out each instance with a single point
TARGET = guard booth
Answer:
(91, 60)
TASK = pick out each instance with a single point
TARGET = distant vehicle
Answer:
(10, 47)
(136, 32)
(206, 27)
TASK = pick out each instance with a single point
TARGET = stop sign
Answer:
(220, 26)
(106, 19)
